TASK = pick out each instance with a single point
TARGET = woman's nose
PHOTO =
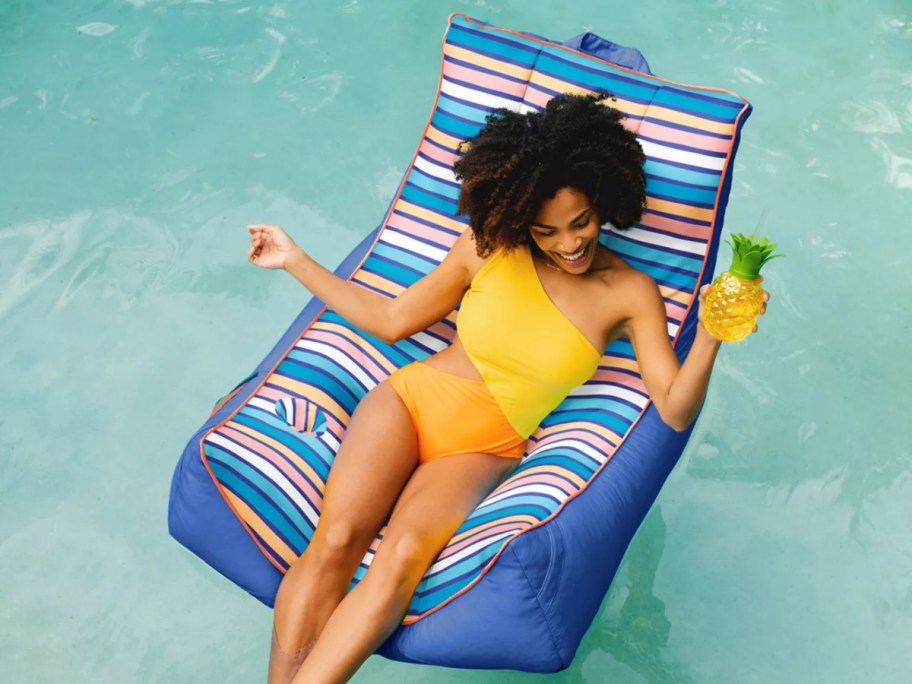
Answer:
(570, 245)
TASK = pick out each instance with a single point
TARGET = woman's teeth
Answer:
(573, 258)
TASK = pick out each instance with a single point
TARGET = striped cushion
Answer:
(271, 469)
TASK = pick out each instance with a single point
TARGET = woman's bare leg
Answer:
(435, 502)
(377, 456)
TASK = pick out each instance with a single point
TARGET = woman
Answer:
(540, 298)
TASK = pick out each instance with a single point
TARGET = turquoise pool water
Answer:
(138, 138)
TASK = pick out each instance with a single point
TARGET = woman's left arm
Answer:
(676, 389)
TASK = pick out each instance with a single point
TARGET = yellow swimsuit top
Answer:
(528, 352)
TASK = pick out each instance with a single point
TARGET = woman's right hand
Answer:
(270, 246)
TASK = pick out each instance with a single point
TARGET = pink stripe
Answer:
(674, 313)
(669, 225)
(609, 375)
(279, 462)
(402, 223)
(703, 143)
(593, 439)
(444, 157)
(479, 535)
(344, 345)
(546, 475)
(536, 97)
(443, 331)
(483, 80)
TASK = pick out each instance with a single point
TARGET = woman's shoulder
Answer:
(621, 279)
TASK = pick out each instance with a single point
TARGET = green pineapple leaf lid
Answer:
(749, 253)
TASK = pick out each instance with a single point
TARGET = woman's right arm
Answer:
(420, 305)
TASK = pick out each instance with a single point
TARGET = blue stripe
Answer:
(564, 458)
(420, 264)
(397, 273)
(324, 374)
(677, 99)
(458, 128)
(439, 587)
(513, 50)
(676, 192)
(604, 418)
(319, 463)
(425, 199)
(291, 439)
(677, 172)
(433, 184)
(272, 512)
(593, 76)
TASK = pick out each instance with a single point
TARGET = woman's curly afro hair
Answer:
(517, 161)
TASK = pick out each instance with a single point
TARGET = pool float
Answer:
(523, 578)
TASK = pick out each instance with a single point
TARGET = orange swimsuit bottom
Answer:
(454, 415)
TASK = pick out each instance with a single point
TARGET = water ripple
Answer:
(330, 85)
(872, 117)
(899, 168)
(138, 44)
(270, 65)
(50, 246)
(96, 29)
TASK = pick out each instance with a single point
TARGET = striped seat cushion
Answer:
(271, 469)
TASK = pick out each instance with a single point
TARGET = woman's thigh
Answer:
(378, 454)
(439, 496)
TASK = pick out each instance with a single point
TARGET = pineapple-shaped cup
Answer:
(735, 298)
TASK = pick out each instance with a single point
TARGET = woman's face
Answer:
(566, 230)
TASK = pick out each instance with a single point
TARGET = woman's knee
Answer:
(402, 561)
(340, 542)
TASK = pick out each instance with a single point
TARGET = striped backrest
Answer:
(271, 457)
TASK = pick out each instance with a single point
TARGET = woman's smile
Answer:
(577, 261)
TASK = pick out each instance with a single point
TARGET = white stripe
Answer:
(340, 358)
(267, 405)
(430, 341)
(673, 329)
(535, 488)
(467, 552)
(329, 439)
(436, 170)
(477, 96)
(410, 244)
(576, 444)
(267, 469)
(610, 391)
(668, 241)
(657, 151)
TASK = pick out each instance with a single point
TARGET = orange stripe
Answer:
(429, 215)
(448, 141)
(467, 55)
(261, 528)
(679, 209)
(324, 401)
